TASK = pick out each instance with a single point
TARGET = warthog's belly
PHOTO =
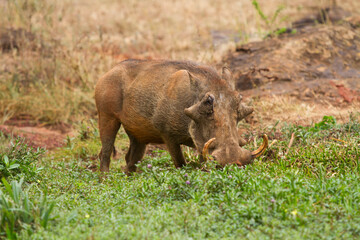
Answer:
(141, 128)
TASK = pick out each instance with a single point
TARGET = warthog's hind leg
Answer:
(109, 127)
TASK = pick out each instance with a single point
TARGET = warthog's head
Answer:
(215, 117)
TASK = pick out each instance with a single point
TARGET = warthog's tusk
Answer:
(262, 148)
(206, 148)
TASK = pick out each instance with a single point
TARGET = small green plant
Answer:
(88, 130)
(18, 212)
(306, 132)
(19, 161)
(327, 123)
(86, 144)
(271, 21)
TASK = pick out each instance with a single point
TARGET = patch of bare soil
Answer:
(36, 136)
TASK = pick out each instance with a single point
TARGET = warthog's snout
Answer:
(232, 153)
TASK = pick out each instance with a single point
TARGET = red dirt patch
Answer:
(348, 94)
(36, 136)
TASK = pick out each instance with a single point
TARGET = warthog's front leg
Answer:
(135, 153)
(176, 154)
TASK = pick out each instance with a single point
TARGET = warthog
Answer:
(171, 102)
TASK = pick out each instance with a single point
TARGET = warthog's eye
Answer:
(208, 105)
(209, 100)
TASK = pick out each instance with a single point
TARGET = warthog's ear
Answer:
(227, 76)
(182, 74)
(185, 75)
(195, 84)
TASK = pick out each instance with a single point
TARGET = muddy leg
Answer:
(109, 127)
(176, 154)
(135, 153)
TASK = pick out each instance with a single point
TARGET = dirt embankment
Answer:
(321, 61)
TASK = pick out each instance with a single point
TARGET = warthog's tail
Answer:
(114, 151)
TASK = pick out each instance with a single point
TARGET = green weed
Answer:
(18, 213)
(271, 22)
(19, 161)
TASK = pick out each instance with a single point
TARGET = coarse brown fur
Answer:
(171, 102)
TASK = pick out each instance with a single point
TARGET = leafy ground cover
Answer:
(307, 185)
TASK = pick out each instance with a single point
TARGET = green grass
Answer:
(311, 191)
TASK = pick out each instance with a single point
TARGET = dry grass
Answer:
(270, 109)
(51, 79)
